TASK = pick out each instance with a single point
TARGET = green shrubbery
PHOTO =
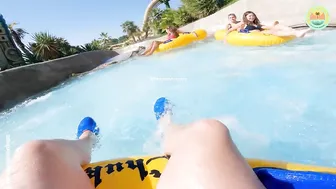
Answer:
(47, 47)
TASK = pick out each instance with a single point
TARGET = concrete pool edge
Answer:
(20, 83)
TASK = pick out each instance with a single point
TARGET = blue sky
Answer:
(78, 21)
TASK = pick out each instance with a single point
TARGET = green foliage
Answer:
(167, 19)
(93, 46)
(106, 41)
(114, 41)
(123, 38)
(165, 2)
(160, 19)
(190, 11)
(45, 46)
(182, 17)
(18, 34)
(130, 28)
(202, 8)
(154, 20)
(64, 47)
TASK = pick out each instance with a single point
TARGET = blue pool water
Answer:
(278, 101)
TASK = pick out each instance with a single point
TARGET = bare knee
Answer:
(201, 133)
(35, 148)
(211, 124)
(29, 156)
(212, 127)
(156, 44)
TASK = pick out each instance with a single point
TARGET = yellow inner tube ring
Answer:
(251, 39)
(183, 40)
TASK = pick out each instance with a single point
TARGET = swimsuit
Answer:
(249, 28)
(171, 36)
(167, 41)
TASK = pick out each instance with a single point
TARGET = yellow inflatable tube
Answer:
(183, 40)
(144, 172)
(251, 39)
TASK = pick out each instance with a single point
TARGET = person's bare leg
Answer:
(302, 33)
(154, 47)
(148, 49)
(287, 32)
(278, 26)
(50, 164)
(203, 155)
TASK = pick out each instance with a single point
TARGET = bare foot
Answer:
(146, 54)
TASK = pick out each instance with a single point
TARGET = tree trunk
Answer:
(146, 34)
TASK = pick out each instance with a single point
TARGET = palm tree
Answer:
(94, 45)
(31, 59)
(114, 41)
(165, 2)
(182, 17)
(154, 20)
(105, 40)
(146, 29)
(46, 46)
(123, 38)
(153, 5)
(64, 47)
(130, 28)
(168, 18)
(17, 35)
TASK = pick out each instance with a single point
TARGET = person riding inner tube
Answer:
(172, 32)
(251, 23)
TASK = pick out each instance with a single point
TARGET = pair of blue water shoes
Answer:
(161, 107)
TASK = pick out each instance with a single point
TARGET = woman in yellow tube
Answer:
(251, 23)
(233, 24)
(172, 32)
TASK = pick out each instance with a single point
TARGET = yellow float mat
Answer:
(144, 172)
(251, 39)
(183, 40)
